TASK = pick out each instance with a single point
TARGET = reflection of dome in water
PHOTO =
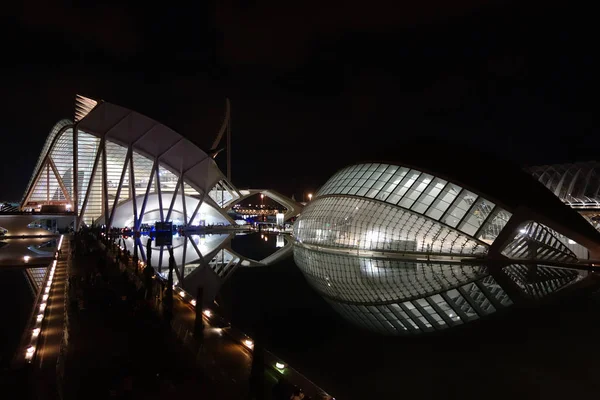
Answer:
(399, 250)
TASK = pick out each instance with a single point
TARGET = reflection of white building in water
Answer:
(408, 249)
(115, 167)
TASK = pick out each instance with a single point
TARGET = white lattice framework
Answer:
(577, 185)
(130, 170)
(381, 207)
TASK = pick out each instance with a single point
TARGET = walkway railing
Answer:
(29, 341)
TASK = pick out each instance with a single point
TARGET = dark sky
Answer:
(314, 85)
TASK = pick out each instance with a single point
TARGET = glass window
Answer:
(406, 183)
(415, 190)
(494, 225)
(392, 183)
(459, 208)
(443, 201)
(476, 216)
(428, 195)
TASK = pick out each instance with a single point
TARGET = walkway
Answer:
(118, 348)
(223, 356)
(44, 364)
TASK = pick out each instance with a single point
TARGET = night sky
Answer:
(314, 85)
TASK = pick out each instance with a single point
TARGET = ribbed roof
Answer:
(490, 176)
(152, 139)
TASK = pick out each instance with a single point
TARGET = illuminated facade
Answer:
(398, 249)
(129, 169)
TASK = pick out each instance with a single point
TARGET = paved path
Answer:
(44, 366)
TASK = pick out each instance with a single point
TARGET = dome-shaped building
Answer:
(405, 249)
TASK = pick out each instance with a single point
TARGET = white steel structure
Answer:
(116, 167)
(401, 249)
(577, 185)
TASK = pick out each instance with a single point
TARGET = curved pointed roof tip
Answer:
(149, 138)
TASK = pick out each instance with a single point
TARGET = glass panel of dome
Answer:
(443, 201)
(392, 183)
(430, 313)
(375, 188)
(445, 308)
(404, 185)
(476, 216)
(362, 191)
(416, 314)
(374, 177)
(388, 173)
(494, 224)
(459, 208)
(428, 195)
(415, 191)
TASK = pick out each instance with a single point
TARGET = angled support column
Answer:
(92, 176)
(132, 190)
(63, 188)
(118, 194)
(75, 174)
(196, 210)
(48, 182)
(174, 197)
(104, 184)
(143, 209)
(159, 190)
(183, 201)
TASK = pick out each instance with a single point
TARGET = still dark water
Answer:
(551, 352)
(16, 300)
(548, 352)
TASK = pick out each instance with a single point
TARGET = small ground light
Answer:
(182, 293)
(35, 332)
(26, 259)
(47, 290)
(193, 302)
(40, 317)
(29, 352)
(45, 297)
(279, 365)
(208, 313)
(42, 307)
(249, 343)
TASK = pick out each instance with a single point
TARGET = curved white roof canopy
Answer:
(155, 141)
